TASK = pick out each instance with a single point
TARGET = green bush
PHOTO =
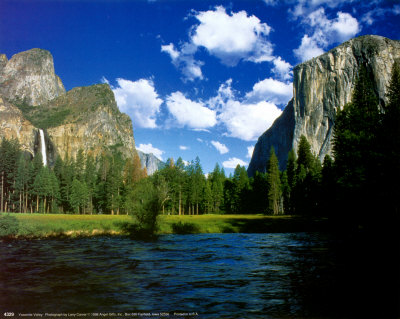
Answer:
(9, 226)
(144, 204)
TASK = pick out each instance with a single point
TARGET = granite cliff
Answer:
(13, 125)
(29, 77)
(85, 118)
(151, 162)
(321, 86)
(33, 98)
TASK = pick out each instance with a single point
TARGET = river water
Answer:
(280, 275)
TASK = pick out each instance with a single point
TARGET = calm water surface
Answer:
(217, 275)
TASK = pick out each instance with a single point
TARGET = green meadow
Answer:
(64, 225)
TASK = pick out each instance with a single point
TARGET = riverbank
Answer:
(64, 225)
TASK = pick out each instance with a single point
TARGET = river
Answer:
(280, 275)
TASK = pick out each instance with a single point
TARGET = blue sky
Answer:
(198, 78)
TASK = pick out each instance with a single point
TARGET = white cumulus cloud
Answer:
(221, 148)
(140, 100)
(229, 36)
(183, 147)
(245, 118)
(190, 113)
(282, 69)
(271, 90)
(170, 49)
(248, 121)
(150, 149)
(345, 26)
(233, 162)
(232, 37)
(325, 32)
(184, 60)
(308, 49)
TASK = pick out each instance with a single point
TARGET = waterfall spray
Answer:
(43, 146)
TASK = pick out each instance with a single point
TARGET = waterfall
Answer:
(43, 146)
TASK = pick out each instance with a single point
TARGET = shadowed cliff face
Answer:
(280, 133)
(320, 86)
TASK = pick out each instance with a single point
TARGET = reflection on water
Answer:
(216, 275)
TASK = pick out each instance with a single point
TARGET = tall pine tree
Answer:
(356, 151)
(274, 184)
(217, 179)
(390, 142)
(9, 154)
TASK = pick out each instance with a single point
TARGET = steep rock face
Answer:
(87, 118)
(3, 61)
(50, 150)
(13, 125)
(280, 136)
(320, 86)
(151, 162)
(29, 77)
(34, 98)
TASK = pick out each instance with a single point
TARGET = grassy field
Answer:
(58, 225)
(48, 225)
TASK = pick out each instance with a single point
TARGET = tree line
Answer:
(84, 185)
(110, 183)
(361, 179)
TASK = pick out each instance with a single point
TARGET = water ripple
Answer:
(232, 275)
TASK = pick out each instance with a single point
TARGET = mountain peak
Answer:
(29, 77)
